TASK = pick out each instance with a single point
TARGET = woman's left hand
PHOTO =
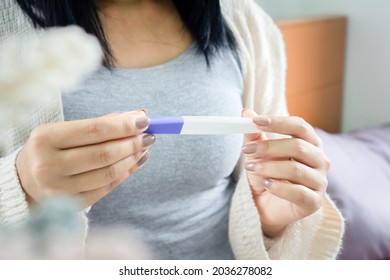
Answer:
(287, 176)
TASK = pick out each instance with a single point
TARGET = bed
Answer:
(359, 180)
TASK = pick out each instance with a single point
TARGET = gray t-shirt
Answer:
(179, 201)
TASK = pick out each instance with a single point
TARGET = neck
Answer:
(127, 9)
(104, 4)
(143, 33)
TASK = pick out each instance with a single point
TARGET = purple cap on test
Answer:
(165, 125)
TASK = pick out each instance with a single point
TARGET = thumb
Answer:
(140, 111)
(247, 113)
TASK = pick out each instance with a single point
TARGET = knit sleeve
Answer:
(262, 50)
(13, 206)
(317, 236)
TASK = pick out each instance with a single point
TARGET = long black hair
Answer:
(203, 19)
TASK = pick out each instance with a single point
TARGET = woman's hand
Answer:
(87, 158)
(287, 176)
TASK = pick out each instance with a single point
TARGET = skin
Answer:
(143, 33)
(287, 176)
(89, 158)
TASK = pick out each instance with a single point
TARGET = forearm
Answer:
(14, 208)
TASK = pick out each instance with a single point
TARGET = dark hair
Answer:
(203, 19)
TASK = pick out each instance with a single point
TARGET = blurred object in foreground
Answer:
(55, 231)
(52, 60)
(116, 244)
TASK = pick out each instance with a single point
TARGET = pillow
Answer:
(359, 184)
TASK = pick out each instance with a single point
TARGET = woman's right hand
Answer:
(86, 158)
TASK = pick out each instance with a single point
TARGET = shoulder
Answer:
(9, 9)
(262, 53)
(253, 27)
(245, 11)
(12, 20)
(250, 23)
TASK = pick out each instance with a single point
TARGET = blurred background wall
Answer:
(366, 99)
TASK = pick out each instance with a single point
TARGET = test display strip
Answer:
(201, 125)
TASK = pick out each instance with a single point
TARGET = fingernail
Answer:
(249, 149)
(262, 120)
(243, 111)
(267, 183)
(143, 159)
(250, 166)
(143, 110)
(148, 140)
(142, 123)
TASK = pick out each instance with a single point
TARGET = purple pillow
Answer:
(359, 183)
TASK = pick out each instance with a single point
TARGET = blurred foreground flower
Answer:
(54, 231)
(56, 59)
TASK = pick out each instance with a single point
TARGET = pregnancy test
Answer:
(201, 125)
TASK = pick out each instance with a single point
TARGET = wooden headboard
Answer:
(315, 58)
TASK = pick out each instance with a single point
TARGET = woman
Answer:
(181, 58)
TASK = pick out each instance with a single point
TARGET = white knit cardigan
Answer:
(263, 59)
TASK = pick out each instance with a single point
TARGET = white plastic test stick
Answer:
(201, 125)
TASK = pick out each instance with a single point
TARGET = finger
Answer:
(112, 115)
(87, 158)
(91, 197)
(295, 148)
(306, 199)
(78, 133)
(246, 113)
(294, 126)
(131, 112)
(291, 171)
(104, 176)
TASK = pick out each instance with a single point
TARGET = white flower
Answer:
(57, 59)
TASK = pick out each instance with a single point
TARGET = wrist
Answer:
(273, 231)
(18, 167)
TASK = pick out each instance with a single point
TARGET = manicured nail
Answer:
(243, 111)
(267, 183)
(262, 120)
(250, 166)
(143, 110)
(143, 159)
(249, 149)
(148, 140)
(142, 123)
